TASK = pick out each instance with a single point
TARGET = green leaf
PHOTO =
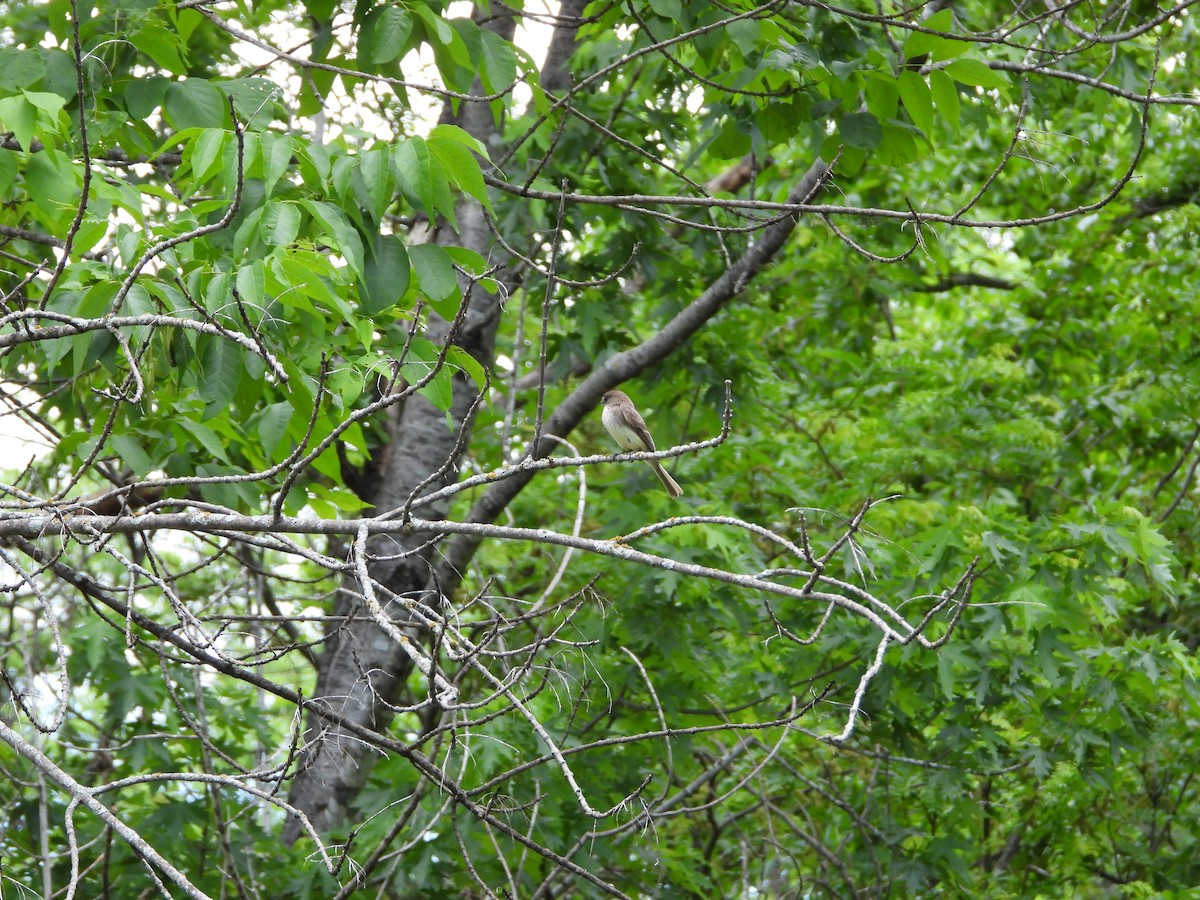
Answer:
(733, 142)
(272, 426)
(225, 494)
(281, 223)
(435, 272)
(186, 21)
(389, 37)
(415, 172)
(461, 166)
(469, 364)
(216, 294)
(221, 372)
(440, 390)
(143, 96)
(253, 187)
(860, 130)
(194, 103)
(498, 67)
(917, 100)
(314, 89)
(467, 259)
(454, 60)
(59, 77)
(251, 285)
(315, 165)
(920, 43)
(974, 72)
(464, 46)
(19, 116)
(162, 46)
(19, 68)
(129, 243)
(206, 154)
(844, 69)
(443, 133)
(945, 97)
(132, 455)
(52, 182)
(386, 275)
(781, 122)
(883, 96)
(139, 303)
(91, 232)
(437, 29)
(9, 167)
(376, 171)
(205, 437)
(746, 35)
(250, 233)
(255, 100)
(339, 232)
(306, 281)
(48, 103)
(333, 502)
(277, 159)
(946, 665)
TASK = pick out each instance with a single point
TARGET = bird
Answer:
(622, 420)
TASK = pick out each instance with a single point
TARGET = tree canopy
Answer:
(321, 575)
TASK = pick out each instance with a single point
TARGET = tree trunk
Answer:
(362, 671)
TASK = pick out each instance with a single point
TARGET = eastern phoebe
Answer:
(629, 430)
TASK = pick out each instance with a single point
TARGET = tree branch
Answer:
(630, 363)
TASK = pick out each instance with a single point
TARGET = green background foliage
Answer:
(1022, 393)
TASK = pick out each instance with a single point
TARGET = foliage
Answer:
(924, 621)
